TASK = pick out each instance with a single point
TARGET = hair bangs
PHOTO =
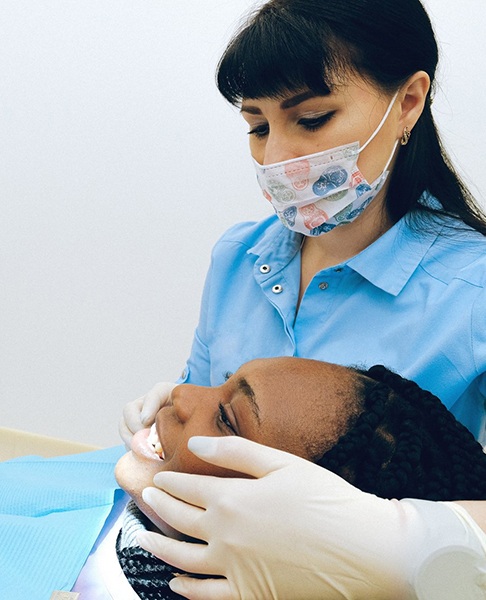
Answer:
(276, 53)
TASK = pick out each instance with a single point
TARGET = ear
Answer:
(412, 99)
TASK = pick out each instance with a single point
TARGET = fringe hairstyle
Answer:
(289, 45)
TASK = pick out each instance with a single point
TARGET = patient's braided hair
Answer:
(405, 443)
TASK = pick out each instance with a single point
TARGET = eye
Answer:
(259, 131)
(223, 418)
(314, 123)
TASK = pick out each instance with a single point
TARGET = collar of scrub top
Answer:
(388, 263)
(51, 512)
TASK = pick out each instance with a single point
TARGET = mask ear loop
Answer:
(395, 146)
(378, 129)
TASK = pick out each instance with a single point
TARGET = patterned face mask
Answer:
(314, 194)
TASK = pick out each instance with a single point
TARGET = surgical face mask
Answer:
(314, 194)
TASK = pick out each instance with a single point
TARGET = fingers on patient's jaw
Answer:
(201, 589)
(198, 490)
(190, 557)
(179, 515)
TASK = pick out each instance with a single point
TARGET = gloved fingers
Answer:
(181, 516)
(154, 400)
(241, 455)
(125, 434)
(195, 490)
(188, 556)
(131, 414)
(140, 413)
(202, 589)
(130, 421)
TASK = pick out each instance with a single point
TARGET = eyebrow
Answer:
(245, 388)
(288, 102)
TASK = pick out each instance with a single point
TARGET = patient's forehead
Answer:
(302, 371)
(304, 404)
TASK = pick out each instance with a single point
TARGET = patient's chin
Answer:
(133, 476)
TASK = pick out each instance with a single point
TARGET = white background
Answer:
(120, 166)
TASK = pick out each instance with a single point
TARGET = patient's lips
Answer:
(153, 439)
(146, 446)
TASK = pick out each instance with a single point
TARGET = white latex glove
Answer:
(298, 531)
(141, 412)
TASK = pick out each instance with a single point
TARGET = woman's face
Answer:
(297, 405)
(303, 123)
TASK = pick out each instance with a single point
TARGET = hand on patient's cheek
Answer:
(306, 518)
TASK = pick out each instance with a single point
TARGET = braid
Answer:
(406, 443)
(347, 449)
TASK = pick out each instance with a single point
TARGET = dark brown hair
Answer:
(287, 45)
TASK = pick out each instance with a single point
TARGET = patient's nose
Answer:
(185, 398)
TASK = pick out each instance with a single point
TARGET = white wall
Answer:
(120, 166)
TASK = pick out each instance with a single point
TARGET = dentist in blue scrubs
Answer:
(375, 253)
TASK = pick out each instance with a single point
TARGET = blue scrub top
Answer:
(413, 301)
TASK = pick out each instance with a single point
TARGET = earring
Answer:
(405, 137)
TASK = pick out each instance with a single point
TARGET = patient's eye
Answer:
(224, 419)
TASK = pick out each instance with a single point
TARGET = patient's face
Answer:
(297, 405)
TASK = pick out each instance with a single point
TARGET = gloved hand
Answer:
(141, 412)
(298, 531)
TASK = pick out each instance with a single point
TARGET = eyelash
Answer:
(223, 418)
(259, 132)
(314, 123)
(310, 124)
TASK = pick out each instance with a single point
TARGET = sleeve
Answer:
(482, 392)
(479, 350)
(227, 257)
(198, 368)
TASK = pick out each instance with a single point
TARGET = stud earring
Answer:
(405, 137)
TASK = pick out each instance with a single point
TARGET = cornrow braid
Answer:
(405, 443)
